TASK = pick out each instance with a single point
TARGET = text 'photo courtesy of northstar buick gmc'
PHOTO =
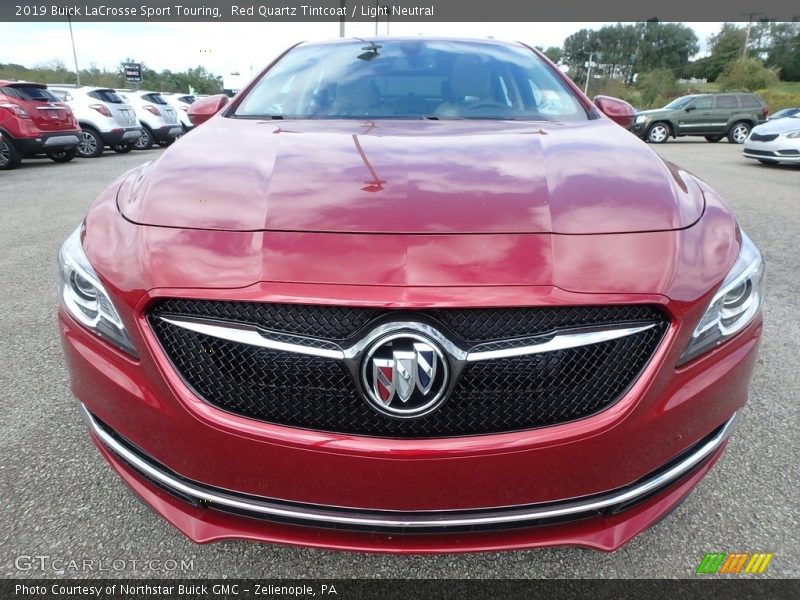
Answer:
(411, 295)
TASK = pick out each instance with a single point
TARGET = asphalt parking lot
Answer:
(59, 498)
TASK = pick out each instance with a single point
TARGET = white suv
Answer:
(159, 120)
(181, 102)
(104, 117)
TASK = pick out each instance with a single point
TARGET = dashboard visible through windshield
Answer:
(410, 79)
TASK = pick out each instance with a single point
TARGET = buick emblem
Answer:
(404, 375)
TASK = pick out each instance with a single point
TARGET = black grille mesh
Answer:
(758, 137)
(489, 397)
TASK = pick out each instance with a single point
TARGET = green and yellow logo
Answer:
(738, 562)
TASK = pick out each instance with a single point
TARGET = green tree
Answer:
(554, 53)
(783, 49)
(577, 48)
(725, 46)
(666, 46)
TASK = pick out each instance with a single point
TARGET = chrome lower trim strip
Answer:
(253, 336)
(412, 519)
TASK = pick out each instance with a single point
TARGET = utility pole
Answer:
(74, 54)
(588, 73)
(747, 33)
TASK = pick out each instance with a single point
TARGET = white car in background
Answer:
(104, 117)
(775, 141)
(180, 102)
(159, 120)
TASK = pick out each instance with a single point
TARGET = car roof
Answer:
(13, 82)
(78, 88)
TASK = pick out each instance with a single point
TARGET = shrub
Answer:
(657, 84)
(746, 75)
(617, 89)
(777, 100)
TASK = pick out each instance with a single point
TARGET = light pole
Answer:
(588, 73)
(74, 54)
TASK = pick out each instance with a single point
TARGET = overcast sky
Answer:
(226, 47)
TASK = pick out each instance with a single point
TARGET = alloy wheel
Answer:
(740, 133)
(87, 145)
(5, 154)
(143, 141)
(658, 134)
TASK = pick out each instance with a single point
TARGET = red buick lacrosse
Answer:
(411, 295)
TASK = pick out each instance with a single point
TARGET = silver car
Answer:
(775, 141)
(105, 118)
(159, 120)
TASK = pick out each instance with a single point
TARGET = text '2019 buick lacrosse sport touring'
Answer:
(411, 295)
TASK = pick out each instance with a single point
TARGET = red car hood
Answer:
(411, 177)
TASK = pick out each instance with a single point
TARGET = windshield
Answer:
(411, 79)
(680, 102)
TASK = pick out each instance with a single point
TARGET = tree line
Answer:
(624, 51)
(198, 79)
(644, 62)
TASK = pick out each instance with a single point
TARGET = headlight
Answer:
(641, 118)
(734, 305)
(85, 298)
(793, 134)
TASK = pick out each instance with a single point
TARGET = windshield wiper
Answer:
(259, 117)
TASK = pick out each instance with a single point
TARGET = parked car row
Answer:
(63, 121)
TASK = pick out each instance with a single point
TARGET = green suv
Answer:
(712, 116)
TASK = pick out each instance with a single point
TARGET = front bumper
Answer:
(639, 129)
(779, 150)
(200, 494)
(210, 473)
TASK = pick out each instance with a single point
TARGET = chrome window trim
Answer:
(379, 519)
(254, 336)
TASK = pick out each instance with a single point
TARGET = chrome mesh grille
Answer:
(491, 396)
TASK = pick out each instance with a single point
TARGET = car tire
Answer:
(10, 158)
(62, 156)
(122, 148)
(658, 133)
(145, 141)
(713, 138)
(91, 145)
(738, 132)
(167, 142)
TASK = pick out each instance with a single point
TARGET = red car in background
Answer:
(411, 295)
(34, 121)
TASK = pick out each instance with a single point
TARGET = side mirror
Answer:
(615, 109)
(202, 110)
(689, 108)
